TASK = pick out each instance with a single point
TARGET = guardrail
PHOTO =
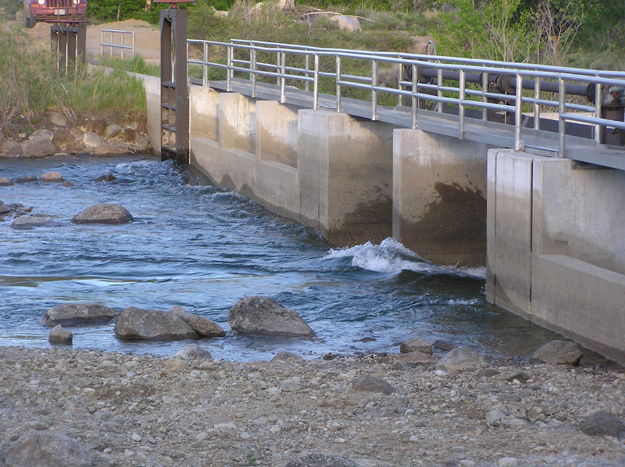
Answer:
(495, 88)
(121, 45)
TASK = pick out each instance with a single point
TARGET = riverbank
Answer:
(143, 410)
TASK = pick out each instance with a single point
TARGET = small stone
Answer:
(91, 140)
(136, 437)
(487, 372)
(193, 351)
(602, 423)
(55, 177)
(25, 179)
(112, 130)
(508, 462)
(495, 417)
(461, 358)
(60, 335)
(557, 351)
(415, 344)
(418, 358)
(372, 384)
(105, 178)
(58, 119)
(321, 460)
(68, 184)
(43, 448)
(5, 181)
(519, 376)
(442, 345)
(174, 364)
(287, 357)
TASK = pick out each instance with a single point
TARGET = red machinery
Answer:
(54, 11)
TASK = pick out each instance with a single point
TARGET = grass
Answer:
(135, 65)
(31, 86)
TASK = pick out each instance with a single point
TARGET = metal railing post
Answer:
(374, 93)
(307, 67)
(461, 96)
(278, 65)
(282, 77)
(338, 85)
(400, 75)
(133, 45)
(253, 66)
(598, 113)
(439, 93)
(484, 98)
(536, 104)
(415, 101)
(561, 121)
(101, 42)
(518, 113)
(229, 68)
(316, 83)
(204, 64)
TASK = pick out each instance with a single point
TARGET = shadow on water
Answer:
(196, 246)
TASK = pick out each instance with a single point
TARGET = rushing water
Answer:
(202, 248)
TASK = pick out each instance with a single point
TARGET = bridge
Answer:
(467, 162)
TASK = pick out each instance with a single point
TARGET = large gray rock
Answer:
(104, 213)
(39, 144)
(372, 384)
(45, 449)
(59, 335)
(30, 222)
(203, 326)
(11, 148)
(72, 314)
(139, 324)
(193, 351)
(52, 177)
(262, 315)
(25, 179)
(322, 460)
(601, 424)
(5, 181)
(557, 351)
(91, 140)
(416, 344)
(461, 358)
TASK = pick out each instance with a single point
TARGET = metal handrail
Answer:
(433, 90)
(122, 43)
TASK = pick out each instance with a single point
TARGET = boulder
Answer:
(104, 213)
(72, 314)
(287, 357)
(262, 315)
(203, 326)
(105, 178)
(112, 131)
(59, 335)
(58, 119)
(109, 149)
(321, 460)
(52, 177)
(92, 140)
(557, 351)
(39, 144)
(193, 351)
(29, 222)
(11, 148)
(418, 358)
(139, 324)
(442, 345)
(347, 23)
(5, 181)
(25, 179)
(46, 449)
(602, 423)
(14, 208)
(142, 142)
(461, 358)
(372, 384)
(415, 344)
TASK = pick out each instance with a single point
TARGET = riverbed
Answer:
(203, 248)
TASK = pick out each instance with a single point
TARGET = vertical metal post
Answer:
(101, 42)
(400, 75)
(111, 48)
(253, 66)
(598, 113)
(307, 67)
(415, 101)
(282, 77)
(338, 85)
(278, 65)
(204, 63)
(374, 93)
(122, 40)
(518, 109)
(461, 96)
(229, 52)
(536, 104)
(62, 49)
(484, 98)
(439, 92)
(133, 45)
(316, 83)
(561, 121)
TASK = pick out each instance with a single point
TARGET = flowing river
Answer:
(203, 248)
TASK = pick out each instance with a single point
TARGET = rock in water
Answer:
(52, 177)
(203, 326)
(193, 351)
(59, 335)
(138, 324)
(372, 384)
(104, 213)
(26, 179)
(29, 222)
(557, 351)
(415, 344)
(262, 315)
(72, 314)
(461, 358)
(322, 460)
(601, 424)
(105, 178)
(5, 181)
(44, 449)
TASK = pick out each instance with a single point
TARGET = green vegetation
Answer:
(31, 85)
(136, 65)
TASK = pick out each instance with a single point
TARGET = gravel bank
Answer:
(143, 410)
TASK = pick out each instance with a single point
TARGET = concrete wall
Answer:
(152, 86)
(439, 197)
(556, 246)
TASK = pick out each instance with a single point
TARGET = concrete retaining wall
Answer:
(152, 86)
(556, 246)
